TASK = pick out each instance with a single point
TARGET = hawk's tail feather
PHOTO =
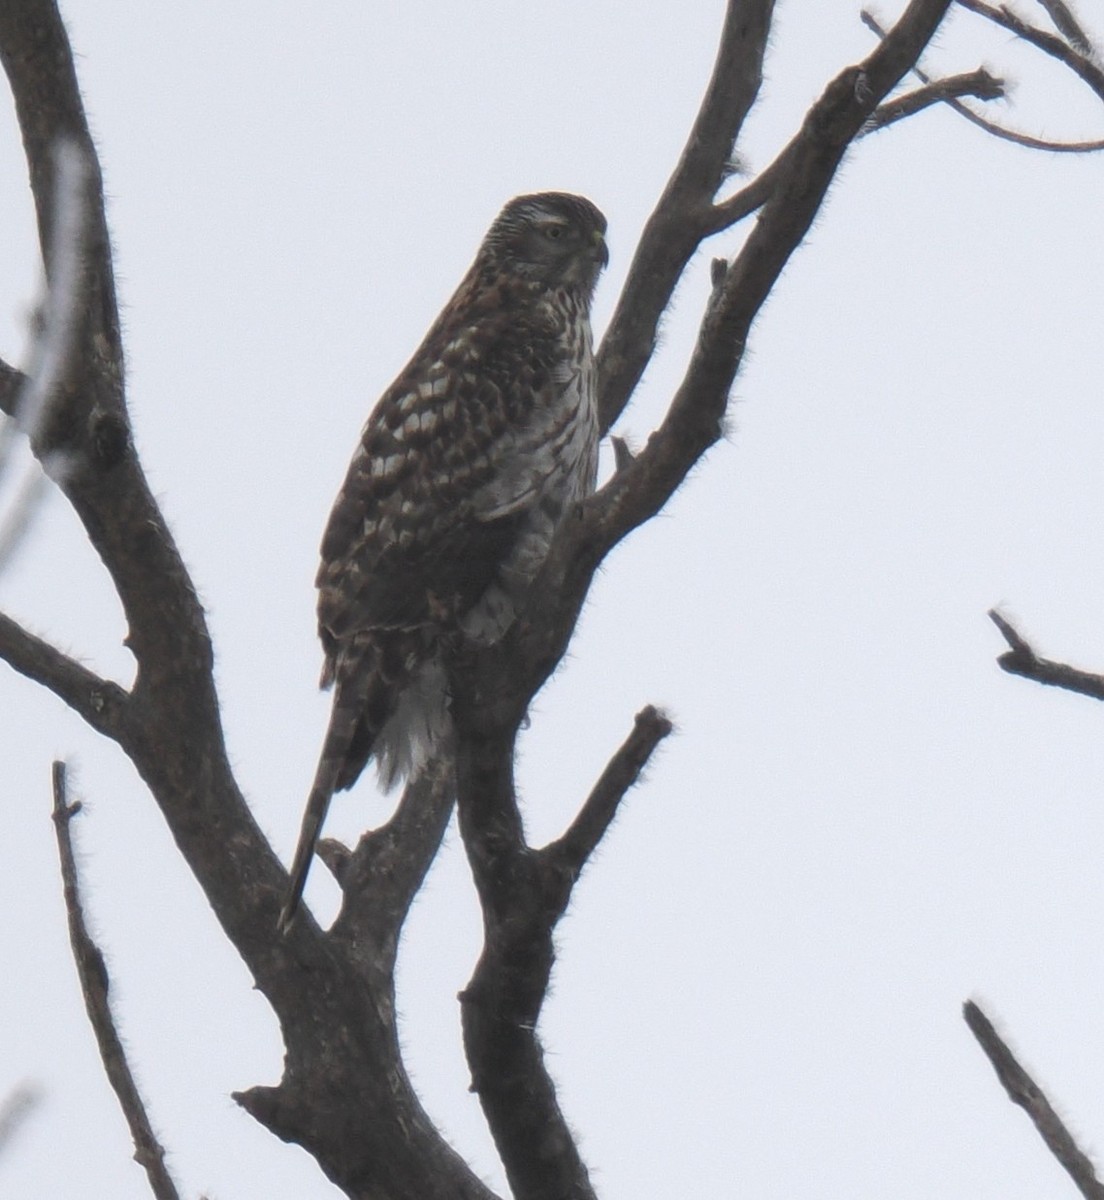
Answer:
(347, 734)
(317, 805)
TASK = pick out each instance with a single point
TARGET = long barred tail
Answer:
(349, 738)
(317, 805)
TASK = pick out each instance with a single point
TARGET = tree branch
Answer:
(983, 123)
(1049, 43)
(102, 703)
(694, 420)
(35, 54)
(677, 225)
(1068, 25)
(524, 893)
(381, 877)
(501, 684)
(95, 984)
(571, 851)
(345, 1095)
(1021, 659)
(979, 84)
(1024, 1091)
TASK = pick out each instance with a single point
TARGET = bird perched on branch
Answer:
(463, 472)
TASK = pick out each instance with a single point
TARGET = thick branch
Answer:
(1024, 1091)
(498, 687)
(35, 54)
(524, 894)
(695, 419)
(102, 703)
(345, 1095)
(522, 897)
(676, 227)
(173, 733)
(148, 1151)
(1021, 659)
(381, 877)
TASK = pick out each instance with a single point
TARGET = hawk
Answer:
(463, 472)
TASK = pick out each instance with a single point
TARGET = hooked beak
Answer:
(601, 250)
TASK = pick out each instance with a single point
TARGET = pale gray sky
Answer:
(862, 821)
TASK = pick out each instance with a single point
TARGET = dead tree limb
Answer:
(979, 84)
(1068, 25)
(955, 103)
(492, 689)
(524, 893)
(1058, 48)
(95, 985)
(1024, 1091)
(1021, 659)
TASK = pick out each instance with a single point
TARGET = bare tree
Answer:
(345, 1095)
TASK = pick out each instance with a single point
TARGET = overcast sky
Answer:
(862, 821)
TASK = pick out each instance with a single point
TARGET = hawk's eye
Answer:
(553, 232)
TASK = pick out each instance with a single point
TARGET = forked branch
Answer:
(1068, 25)
(1074, 56)
(381, 877)
(524, 893)
(1021, 659)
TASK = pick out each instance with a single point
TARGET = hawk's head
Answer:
(552, 238)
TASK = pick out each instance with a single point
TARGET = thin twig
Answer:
(581, 838)
(998, 131)
(1049, 43)
(57, 320)
(1068, 25)
(1022, 660)
(750, 198)
(1024, 1091)
(979, 84)
(95, 984)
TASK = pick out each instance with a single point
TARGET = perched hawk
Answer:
(463, 472)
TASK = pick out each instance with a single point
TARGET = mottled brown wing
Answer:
(411, 540)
